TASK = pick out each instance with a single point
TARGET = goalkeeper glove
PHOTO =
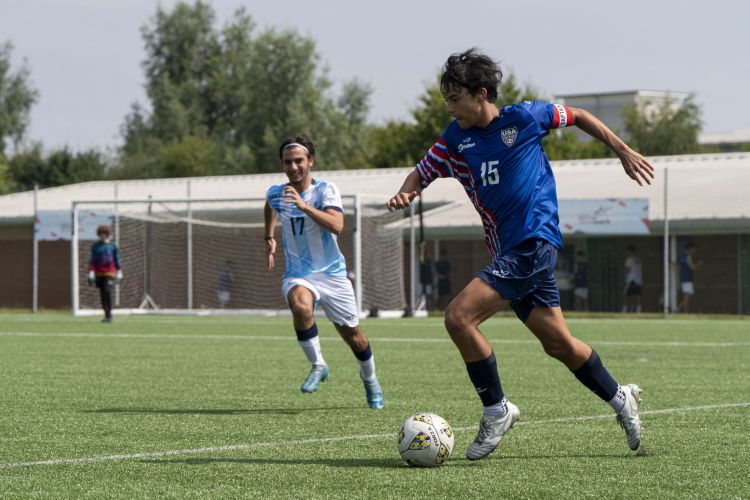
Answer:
(118, 277)
(91, 278)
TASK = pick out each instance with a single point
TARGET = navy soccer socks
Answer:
(486, 379)
(593, 375)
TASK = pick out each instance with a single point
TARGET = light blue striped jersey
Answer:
(308, 248)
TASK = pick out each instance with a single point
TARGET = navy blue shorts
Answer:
(524, 276)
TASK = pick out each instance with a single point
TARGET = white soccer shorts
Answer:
(334, 293)
(688, 288)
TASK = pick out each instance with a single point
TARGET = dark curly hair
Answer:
(301, 139)
(471, 70)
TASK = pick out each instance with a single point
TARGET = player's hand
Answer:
(292, 196)
(637, 167)
(118, 277)
(400, 201)
(91, 278)
(270, 250)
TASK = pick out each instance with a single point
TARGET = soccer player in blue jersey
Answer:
(497, 155)
(312, 216)
(104, 269)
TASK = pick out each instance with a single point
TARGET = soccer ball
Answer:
(425, 440)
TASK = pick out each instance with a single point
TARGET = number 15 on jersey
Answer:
(490, 175)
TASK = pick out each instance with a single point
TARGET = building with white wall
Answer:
(608, 106)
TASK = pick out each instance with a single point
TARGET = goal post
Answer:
(207, 256)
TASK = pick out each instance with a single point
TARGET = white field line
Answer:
(645, 343)
(380, 322)
(359, 437)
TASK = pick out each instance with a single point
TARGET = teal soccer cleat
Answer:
(374, 394)
(318, 374)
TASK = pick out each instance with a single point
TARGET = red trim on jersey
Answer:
(571, 116)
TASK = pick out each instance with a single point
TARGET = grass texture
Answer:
(210, 407)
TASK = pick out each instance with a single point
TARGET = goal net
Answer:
(208, 256)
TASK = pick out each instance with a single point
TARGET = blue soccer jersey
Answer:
(505, 172)
(308, 248)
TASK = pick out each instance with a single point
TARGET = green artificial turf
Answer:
(210, 407)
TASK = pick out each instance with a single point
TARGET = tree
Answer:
(16, 99)
(559, 144)
(663, 128)
(182, 60)
(401, 143)
(237, 94)
(511, 92)
(192, 156)
(7, 184)
(30, 168)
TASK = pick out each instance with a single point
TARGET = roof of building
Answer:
(705, 192)
(640, 92)
(739, 136)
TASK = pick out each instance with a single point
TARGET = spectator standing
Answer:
(444, 289)
(688, 264)
(581, 282)
(633, 282)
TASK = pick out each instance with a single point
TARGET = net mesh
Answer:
(221, 243)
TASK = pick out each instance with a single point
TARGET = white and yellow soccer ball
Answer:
(425, 440)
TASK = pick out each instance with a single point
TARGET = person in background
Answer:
(688, 264)
(425, 275)
(224, 292)
(444, 290)
(581, 282)
(633, 282)
(104, 268)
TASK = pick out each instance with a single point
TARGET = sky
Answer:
(85, 55)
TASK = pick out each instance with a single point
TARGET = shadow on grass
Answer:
(380, 463)
(597, 456)
(219, 411)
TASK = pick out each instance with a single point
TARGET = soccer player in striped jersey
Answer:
(497, 155)
(312, 216)
(104, 269)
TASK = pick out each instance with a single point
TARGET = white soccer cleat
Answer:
(491, 432)
(318, 374)
(628, 417)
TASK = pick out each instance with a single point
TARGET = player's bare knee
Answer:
(455, 321)
(559, 349)
(301, 311)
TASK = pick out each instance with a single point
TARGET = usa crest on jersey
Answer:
(508, 135)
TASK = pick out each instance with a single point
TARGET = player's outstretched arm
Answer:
(409, 190)
(269, 217)
(635, 165)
